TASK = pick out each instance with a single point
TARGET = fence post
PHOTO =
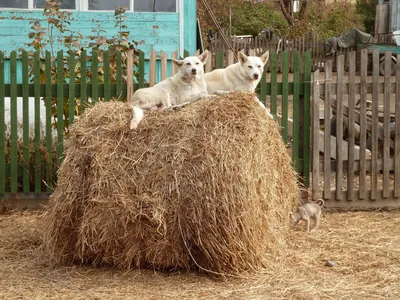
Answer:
(152, 68)
(36, 82)
(129, 76)
(174, 67)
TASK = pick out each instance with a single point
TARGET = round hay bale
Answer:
(208, 187)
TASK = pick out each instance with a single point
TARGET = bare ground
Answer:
(364, 245)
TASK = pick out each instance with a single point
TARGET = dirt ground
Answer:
(365, 247)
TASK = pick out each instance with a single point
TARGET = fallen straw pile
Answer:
(208, 187)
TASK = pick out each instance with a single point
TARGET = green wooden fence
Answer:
(29, 157)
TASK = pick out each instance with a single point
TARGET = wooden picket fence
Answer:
(31, 155)
(359, 165)
(259, 44)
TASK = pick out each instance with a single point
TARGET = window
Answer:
(98, 5)
(155, 5)
(65, 4)
(31, 4)
(14, 3)
(108, 5)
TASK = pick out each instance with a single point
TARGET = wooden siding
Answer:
(153, 31)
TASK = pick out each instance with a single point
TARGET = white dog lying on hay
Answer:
(241, 76)
(185, 86)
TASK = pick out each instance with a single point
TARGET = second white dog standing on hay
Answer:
(241, 76)
(185, 86)
(307, 211)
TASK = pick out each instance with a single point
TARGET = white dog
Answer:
(241, 76)
(185, 86)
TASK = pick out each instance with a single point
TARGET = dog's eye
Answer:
(197, 63)
(259, 67)
(250, 67)
(188, 64)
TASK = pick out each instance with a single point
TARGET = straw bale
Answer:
(207, 187)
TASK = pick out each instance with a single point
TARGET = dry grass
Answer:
(206, 187)
(365, 246)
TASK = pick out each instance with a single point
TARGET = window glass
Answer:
(108, 5)
(155, 5)
(65, 4)
(14, 3)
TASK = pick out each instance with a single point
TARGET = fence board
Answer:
(163, 57)
(285, 95)
(386, 125)
(315, 136)
(375, 80)
(38, 159)
(107, 82)
(2, 125)
(230, 57)
(263, 87)
(307, 117)
(327, 130)
(83, 66)
(397, 138)
(219, 59)
(296, 116)
(351, 131)
(49, 136)
(118, 71)
(129, 77)
(339, 128)
(274, 80)
(363, 123)
(141, 68)
(25, 122)
(208, 66)
(95, 77)
(152, 68)
(14, 122)
(60, 104)
(71, 95)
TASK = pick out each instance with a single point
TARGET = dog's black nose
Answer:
(255, 76)
(194, 71)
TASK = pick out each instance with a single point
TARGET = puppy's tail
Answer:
(320, 202)
(137, 116)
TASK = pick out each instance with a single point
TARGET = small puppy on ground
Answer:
(187, 85)
(307, 211)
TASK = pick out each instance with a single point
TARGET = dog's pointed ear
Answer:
(242, 57)
(177, 62)
(203, 57)
(264, 57)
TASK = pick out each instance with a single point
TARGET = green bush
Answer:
(253, 18)
(366, 9)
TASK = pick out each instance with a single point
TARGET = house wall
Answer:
(153, 31)
(395, 15)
